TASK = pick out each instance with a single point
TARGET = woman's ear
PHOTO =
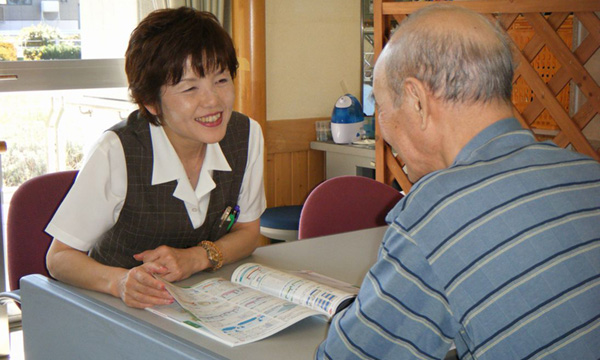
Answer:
(151, 109)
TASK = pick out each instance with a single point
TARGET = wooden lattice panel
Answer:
(549, 66)
(545, 64)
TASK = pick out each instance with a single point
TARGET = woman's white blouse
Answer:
(94, 203)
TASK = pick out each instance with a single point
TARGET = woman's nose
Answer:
(209, 98)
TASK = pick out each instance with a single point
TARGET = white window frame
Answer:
(61, 74)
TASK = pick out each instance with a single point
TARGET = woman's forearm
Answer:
(77, 268)
(240, 242)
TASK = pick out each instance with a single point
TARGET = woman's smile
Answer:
(213, 120)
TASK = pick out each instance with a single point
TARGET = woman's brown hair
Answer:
(160, 46)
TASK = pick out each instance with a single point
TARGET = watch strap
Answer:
(215, 256)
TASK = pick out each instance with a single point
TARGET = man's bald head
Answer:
(458, 54)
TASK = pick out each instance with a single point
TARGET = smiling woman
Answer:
(52, 112)
(160, 181)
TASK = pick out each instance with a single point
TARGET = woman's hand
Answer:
(183, 263)
(137, 287)
(179, 263)
(140, 289)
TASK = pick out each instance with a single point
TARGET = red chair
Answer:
(346, 203)
(31, 208)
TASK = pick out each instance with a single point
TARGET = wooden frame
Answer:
(248, 19)
(545, 18)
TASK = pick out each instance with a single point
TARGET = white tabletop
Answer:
(346, 257)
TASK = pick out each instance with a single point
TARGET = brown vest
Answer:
(151, 216)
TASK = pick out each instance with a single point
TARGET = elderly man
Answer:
(497, 246)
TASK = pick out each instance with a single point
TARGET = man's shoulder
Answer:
(472, 188)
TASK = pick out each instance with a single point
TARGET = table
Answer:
(65, 322)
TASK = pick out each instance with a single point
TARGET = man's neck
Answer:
(462, 123)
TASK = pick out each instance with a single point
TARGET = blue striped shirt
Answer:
(499, 253)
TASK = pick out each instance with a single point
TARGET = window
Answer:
(53, 104)
(62, 77)
(16, 2)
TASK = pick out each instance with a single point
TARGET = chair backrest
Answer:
(346, 203)
(31, 208)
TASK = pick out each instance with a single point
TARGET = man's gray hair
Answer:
(457, 67)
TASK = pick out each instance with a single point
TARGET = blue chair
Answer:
(281, 222)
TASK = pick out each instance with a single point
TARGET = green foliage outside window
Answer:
(39, 35)
(60, 51)
(7, 52)
(43, 42)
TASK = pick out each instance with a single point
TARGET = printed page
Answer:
(231, 313)
(306, 288)
(176, 313)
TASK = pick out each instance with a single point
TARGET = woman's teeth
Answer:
(208, 119)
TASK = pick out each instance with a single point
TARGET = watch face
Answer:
(213, 254)
(212, 257)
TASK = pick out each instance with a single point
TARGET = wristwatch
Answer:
(215, 256)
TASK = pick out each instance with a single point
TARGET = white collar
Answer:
(165, 169)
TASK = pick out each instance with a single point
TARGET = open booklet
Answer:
(258, 302)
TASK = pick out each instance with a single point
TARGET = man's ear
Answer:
(419, 99)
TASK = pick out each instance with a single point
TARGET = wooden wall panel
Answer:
(282, 183)
(316, 168)
(299, 176)
(268, 179)
(293, 169)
